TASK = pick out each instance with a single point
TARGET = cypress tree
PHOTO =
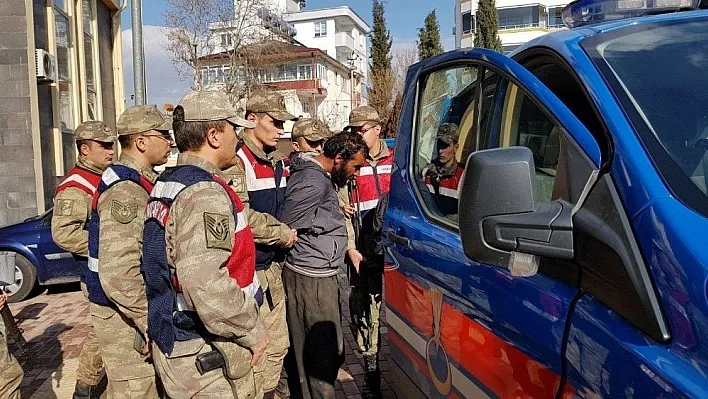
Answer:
(380, 40)
(429, 43)
(487, 26)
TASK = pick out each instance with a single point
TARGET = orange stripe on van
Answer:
(502, 368)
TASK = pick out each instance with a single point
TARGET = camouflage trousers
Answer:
(130, 374)
(181, 379)
(11, 373)
(364, 307)
(90, 362)
(267, 372)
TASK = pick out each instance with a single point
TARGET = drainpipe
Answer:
(138, 52)
(117, 54)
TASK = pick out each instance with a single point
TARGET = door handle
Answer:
(400, 240)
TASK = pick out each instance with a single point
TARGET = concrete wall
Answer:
(28, 163)
(18, 198)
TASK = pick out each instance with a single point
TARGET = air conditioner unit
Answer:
(324, 83)
(46, 66)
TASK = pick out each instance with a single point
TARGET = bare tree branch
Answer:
(388, 85)
(226, 33)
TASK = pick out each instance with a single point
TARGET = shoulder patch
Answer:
(64, 207)
(216, 231)
(238, 182)
(122, 212)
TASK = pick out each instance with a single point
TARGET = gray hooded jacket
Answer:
(312, 208)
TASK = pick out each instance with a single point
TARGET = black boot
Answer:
(372, 386)
(83, 391)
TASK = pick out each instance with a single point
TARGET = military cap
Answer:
(360, 116)
(142, 118)
(270, 103)
(211, 105)
(311, 129)
(96, 131)
(448, 133)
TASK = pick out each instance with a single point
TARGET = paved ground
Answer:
(55, 325)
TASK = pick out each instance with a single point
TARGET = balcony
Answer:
(343, 39)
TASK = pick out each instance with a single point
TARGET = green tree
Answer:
(380, 40)
(381, 75)
(429, 43)
(487, 26)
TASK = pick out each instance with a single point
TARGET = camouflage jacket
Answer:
(120, 243)
(266, 228)
(224, 308)
(69, 222)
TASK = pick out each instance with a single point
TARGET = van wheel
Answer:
(25, 280)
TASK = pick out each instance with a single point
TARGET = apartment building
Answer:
(338, 31)
(321, 54)
(321, 84)
(519, 21)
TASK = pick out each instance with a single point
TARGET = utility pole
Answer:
(138, 52)
(352, 59)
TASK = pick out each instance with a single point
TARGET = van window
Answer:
(446, 125)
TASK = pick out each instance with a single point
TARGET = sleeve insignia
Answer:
(124, 213)
(64, 207)
(239, 183)
(216, 230)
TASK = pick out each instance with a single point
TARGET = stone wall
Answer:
(18, 199)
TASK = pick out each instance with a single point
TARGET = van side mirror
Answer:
(500, 222)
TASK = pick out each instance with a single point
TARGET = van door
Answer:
(458, 327)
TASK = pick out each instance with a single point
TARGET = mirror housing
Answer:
(500, 222)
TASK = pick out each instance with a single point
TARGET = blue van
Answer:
(577, 264)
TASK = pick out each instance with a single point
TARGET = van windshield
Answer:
(659, 74)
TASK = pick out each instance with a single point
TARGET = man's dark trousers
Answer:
(315, 323)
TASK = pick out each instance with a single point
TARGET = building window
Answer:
(226, 40)
(64, 45)
(555, 17)
(306, 107)
(304, 72)
(287, 72)
(322, 72)
(219, 74)
(88, 19)
(519, 17)
(345, 85)
(468, 22)
(321, 29)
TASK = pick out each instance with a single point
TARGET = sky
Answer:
(403, 18)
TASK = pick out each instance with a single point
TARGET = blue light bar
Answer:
(589, 12)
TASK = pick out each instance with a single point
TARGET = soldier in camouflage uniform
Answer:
(309, 135)
(199, 261)
(363, 202)
(259, 178)
(143, 133)
(443, 175)
(11, 373)
(72, 206)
